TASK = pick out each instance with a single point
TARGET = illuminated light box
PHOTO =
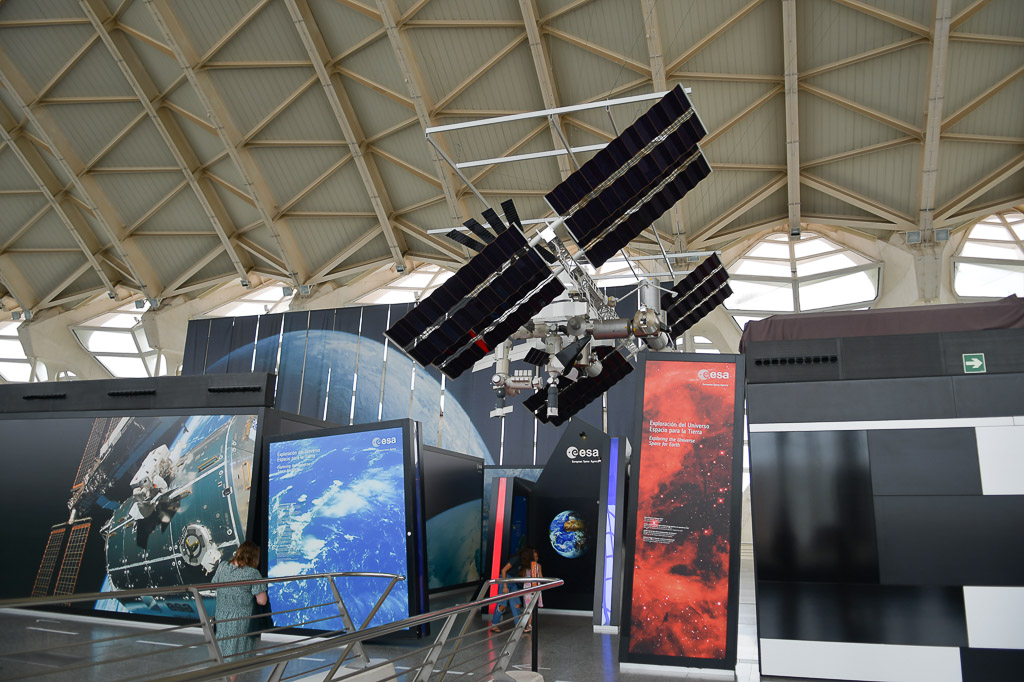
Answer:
(681, 587)
(345, 499)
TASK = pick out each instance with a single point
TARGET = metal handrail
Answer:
(25, 603)
(351, 639)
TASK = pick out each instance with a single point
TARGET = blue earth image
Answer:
(337, 503)
(341, 351)
(569, 534)
(453, 546)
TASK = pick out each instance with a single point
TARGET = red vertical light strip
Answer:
(499, 533)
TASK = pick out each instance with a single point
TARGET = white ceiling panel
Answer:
(133, 194)
(269, 36)
(90, 127)
(308, 118)
(18, 209)
(47, 233)
(39, 66)
(342, 191)
(181, 213)
(143, 146)
(289, 170)
(251, 94)
(94, 75)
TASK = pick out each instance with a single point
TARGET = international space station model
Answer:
(602, 206)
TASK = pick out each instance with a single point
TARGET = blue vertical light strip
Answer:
(609, 533)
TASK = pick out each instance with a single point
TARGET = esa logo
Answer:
(575, 453)
(706, 374)
(391, 440)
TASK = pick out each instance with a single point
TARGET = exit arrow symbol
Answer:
(974, 363)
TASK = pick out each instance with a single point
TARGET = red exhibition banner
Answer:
(680, 585)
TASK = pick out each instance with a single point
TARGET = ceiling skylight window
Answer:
(409, 288)
(15, 366)
(272, 298)
(990, 263)
(118, 342)
(777, 275)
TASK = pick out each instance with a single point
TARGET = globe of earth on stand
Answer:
(569, 534)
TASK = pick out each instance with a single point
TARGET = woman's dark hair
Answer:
(525, 559)
(247, 554)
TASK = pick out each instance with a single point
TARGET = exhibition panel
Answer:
(681, 587)
(934, 494)
(346, 499)
(453, 486)
(112, 499)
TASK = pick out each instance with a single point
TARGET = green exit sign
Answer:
(974, 363)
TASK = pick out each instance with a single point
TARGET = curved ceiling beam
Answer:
(348, 122)
(933, 124)
(410, 69)
(216, 110)
(659, 76)
(545, 79)
(89, 190)
(34, 165)
(167, 127)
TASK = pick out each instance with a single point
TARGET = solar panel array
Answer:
(696, 295)
(495, 293)
(636, 178)
(573, 396)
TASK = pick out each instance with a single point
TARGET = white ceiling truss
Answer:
(164, 147)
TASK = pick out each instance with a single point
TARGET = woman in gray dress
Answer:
(237, 602)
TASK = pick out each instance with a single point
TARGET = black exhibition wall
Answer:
(453, 486)
(887, 492)
(119, 486)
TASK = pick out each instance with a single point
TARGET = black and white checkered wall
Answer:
(888, 519)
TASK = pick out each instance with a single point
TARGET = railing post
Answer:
(204, 620)
(435, 650)
(505, 655)
(362, 660)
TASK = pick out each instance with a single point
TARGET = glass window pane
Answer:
(107, 342)
(760, 296)
(997, 232)
(974, 279)
(1006, 252)
(770, 250)
(9, 327)
(140, 336)
(41, 373)
(416, 280)
(812, 247)
(742, 320)
(1018, 230)
(707, 350)
(748, 266)
(11, 349)
(16, 371)
(855, 288)
(115, 320)
(382, 296)
(271, 293)
(835, 261)
(240, 309)
(701, 339)
(123, 367)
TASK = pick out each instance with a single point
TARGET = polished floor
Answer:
(569, 649)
